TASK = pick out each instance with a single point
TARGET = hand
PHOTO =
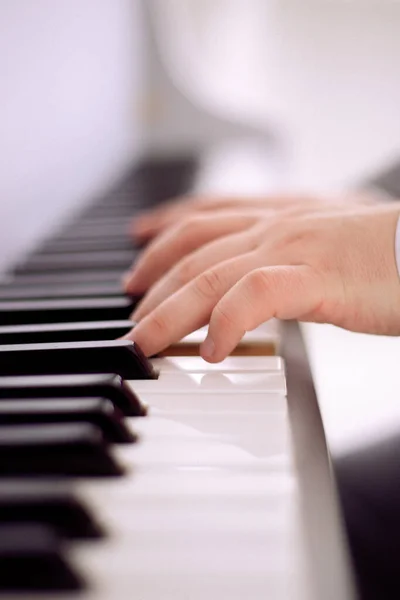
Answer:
(163, 268)
(152, 223)
(336, 268)
(201, 221)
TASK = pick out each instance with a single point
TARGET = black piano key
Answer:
(110, 205)
(21, 502)
(98, 411)
(22, 312)
(89, 276)
(64, 332)
(103, 220)
(105, 211)
(105, 385)
(59, 291)
(119, 356)
(56, 246)
(91, 231)
(46, 263)
(72, 449)
(31, 561)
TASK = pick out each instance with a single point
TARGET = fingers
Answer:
(285, 292)
(151, 223)
(175, 243)
(193, 265)
(190, 307)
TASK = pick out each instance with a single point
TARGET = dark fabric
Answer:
(369, 488)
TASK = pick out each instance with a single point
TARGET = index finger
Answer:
(190, 307)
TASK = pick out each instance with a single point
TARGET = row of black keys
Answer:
(69, 435)
(63, 397)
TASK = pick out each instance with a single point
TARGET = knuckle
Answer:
(288, 233)
(159, 325)
(299, 232)
(277, 277)
(209, 284)
(293, 240)
(188, 227)
(183, 272)
(224, 318)
(258, 283)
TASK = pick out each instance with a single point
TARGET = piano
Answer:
(161, 478)
(170, 478)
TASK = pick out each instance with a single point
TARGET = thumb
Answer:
(285, 292)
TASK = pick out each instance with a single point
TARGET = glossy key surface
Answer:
(105, 385)
(64, 332)
(31, 561)
(23, 312)
(48, 291)
(88, 276)
(56, 246)
(98, 411)
(93, 231)
(79, 261)
(72, 449)
(120, 356)
(27, 501)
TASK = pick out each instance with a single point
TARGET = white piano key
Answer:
(214, 382)
(198, 531)
(240, 364)
(216, 423)
(236, 519)
(146, 486)
(178, 568)
(163, 553)
(208, 402)
(173, 530)
(159, 453)
(200, 516)
(239, 507)
(261, 433)
(193, 586)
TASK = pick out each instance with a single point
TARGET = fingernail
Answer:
(207, 348)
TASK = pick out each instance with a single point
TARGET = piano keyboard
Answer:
(123, 477)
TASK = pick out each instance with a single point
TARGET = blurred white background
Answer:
(322, 75)
(88, 85)
(70, 78)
